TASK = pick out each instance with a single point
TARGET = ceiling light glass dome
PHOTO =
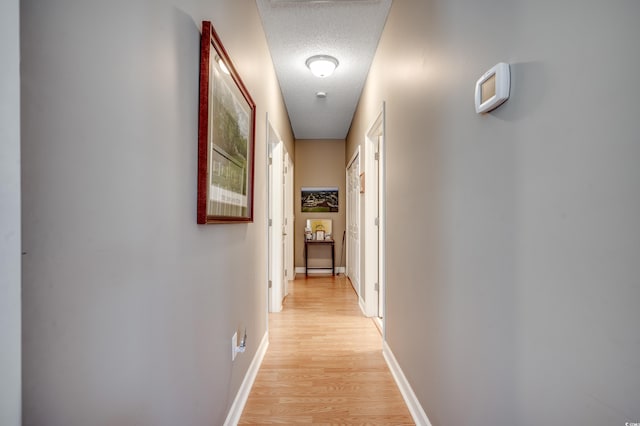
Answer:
(322, 65)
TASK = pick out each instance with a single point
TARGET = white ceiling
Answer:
(348, 30)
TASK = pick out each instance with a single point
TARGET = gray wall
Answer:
(9, 214)
(129, 306)
(513, 257)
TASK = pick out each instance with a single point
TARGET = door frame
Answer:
(277, 261)
(375, 207)
(354, 251)
(289, 221)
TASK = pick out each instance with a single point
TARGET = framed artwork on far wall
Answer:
(226, 137)
(319, 199)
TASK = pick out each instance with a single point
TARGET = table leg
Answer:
(333, 258)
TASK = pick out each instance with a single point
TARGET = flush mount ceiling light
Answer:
(322, 65)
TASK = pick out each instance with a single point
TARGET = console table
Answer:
(310, 243)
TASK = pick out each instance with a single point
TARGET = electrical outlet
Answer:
(234, 345)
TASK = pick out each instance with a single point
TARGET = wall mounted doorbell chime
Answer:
(493, 88)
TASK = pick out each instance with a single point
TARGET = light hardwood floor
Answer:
(324, 364)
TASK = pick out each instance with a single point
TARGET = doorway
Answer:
(353, 224)
(280, 219)
(365, 220)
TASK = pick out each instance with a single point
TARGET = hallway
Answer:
(324, 363)
(511, 238)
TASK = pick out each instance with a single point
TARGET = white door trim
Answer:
(375, 219)
(275, 219)
(289, 221)
(354, 248)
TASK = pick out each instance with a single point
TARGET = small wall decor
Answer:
(319, 229)
(323, 199)
(226, 137)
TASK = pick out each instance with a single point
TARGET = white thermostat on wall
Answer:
(492, 89)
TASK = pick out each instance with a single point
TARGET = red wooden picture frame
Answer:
(226, 137)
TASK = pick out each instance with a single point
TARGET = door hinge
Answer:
(270, 222)
(377, 221)
(270, 283)
(285, 272)
(377, 156)
(270, 161)
(376, 286)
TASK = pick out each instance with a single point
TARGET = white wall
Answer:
(129, 306)
(9, 214)
(513, 238)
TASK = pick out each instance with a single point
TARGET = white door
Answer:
(288, 221)
(380, 228)
(353, 223)
(276, 226)
(373, 220)
(370, 221)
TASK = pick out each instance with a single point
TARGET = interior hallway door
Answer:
(277, 232)
(353, 223)
(288, 228)
(373, 243)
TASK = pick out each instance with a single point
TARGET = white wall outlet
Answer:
(234, 345)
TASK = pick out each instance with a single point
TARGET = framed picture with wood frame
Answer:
(226, 137)
(319, 199)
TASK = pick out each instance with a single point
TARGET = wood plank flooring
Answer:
(324, 364)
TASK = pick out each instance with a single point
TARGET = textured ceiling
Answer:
(349, 30)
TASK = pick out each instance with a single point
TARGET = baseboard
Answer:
(245, 388)
(339, 270)
(418, 414)
(362, 309)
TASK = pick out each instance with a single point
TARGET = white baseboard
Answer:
(339, 270)
(416, 410)
(361, 304)
(245, 388)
